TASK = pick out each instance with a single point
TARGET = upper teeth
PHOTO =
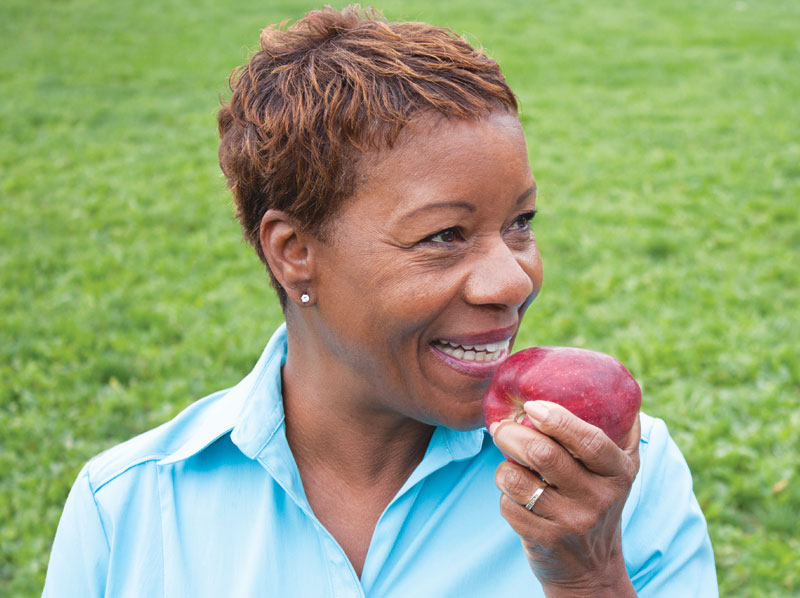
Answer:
(484, 352)
(490, 347)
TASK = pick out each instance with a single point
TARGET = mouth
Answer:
(479, 360)
(487, 352)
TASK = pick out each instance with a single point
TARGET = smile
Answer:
(485, 352)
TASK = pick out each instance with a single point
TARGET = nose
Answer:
(503, 276)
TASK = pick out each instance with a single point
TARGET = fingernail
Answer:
(536, 411)
(493, 427)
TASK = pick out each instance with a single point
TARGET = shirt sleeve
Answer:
(79, 558)
(667, 536)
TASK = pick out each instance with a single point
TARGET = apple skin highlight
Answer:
(596, 387)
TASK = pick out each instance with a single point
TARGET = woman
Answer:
(381, 174)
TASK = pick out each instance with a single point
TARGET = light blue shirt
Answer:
(211, 504)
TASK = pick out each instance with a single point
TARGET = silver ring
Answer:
(535, 497)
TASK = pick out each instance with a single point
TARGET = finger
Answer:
(520, 485)
(585, 442)
(527, 522)
(532, 528)
(546, 457)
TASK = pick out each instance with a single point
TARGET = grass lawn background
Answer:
(665, 138)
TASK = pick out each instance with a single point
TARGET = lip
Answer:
(475, 369)
(482, 338)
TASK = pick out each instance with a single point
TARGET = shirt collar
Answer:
(445, 446)
(252, 411)
(262, 413)
(226, 414)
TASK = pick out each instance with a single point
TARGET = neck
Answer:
(332, 429)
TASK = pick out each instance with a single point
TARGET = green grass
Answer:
(665, 137)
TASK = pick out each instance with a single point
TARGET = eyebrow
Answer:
(527, 193)
(463, 205)
(439, 205)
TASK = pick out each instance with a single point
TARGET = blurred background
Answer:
(665, 138)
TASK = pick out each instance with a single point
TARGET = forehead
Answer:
(437, 159)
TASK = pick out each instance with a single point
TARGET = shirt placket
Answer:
(277, 459)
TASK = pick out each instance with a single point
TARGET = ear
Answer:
(288, 253)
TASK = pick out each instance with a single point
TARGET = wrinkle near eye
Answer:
(431, 260)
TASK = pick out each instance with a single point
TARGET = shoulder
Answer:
(193, 429)
(654, 442)
(648, 423)
(653, 429)
(199, 424)
(665, 537)
(658, 453)
(115, 508)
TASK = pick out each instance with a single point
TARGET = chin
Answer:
(463, 421)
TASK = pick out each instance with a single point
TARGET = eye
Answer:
(523, 221)
(448, 235)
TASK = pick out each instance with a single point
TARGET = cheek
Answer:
(387, 300)
(413, 299)
(409, 284)
(533, 267)
(537, 275)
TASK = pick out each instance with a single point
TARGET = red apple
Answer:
(592, 385)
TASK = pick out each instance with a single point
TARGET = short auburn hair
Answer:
(330, 87)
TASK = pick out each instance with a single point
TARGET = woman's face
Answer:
(430, 266)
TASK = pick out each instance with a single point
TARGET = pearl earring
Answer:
(304, 298)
